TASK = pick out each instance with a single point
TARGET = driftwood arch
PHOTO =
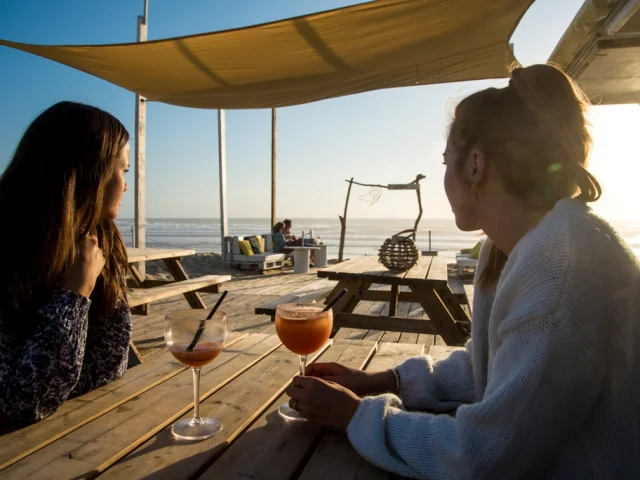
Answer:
(414, 185)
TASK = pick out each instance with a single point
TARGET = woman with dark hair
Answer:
(65, 324)
(279, 240)
(548, 385)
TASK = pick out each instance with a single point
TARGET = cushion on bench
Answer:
(261, 258)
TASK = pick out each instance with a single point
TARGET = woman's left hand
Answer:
(323, 403)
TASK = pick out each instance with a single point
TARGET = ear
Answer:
(476, 167)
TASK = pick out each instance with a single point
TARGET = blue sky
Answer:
(378, 137)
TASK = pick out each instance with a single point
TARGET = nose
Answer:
(126, 186)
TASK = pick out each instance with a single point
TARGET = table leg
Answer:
(139, 282)
(322, 257)
(177, 272)
(393, 302)
(301, 261)
(137, 277)
(349, 302)
(438, 313)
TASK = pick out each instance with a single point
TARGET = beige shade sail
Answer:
(381, 44)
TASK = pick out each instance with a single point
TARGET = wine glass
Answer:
(303, 328)
(195, 341)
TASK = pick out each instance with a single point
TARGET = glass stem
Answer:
(196, 395)
(303, 364)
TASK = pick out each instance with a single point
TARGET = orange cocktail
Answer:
(303, 328)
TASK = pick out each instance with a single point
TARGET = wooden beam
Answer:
(273, 167)
(140, 161)
(378, 279)
(343, 223)
(384, 323)
(222, 163)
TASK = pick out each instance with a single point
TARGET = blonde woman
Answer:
(549, 385)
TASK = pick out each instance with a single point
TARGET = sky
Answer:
(386, 136)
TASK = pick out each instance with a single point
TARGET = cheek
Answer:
(115, 189)
(451, 186)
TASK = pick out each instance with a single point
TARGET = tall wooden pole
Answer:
(141, 154)
(222, 162)
(343, 223)
(273, 167)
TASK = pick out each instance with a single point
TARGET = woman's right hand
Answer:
(86, 268)
(359, 382)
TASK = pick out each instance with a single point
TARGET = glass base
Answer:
(189, 429)
(289, 413)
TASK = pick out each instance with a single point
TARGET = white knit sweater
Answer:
(549, 385)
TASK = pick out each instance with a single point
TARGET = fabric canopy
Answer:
(381, 44)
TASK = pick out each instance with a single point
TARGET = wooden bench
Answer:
(207, 284)
(315, 291)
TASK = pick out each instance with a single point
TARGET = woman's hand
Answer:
(323, 403)
(359, 382)
(86, 267)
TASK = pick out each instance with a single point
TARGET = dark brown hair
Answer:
(535, 133)
(277, 227)
(51, 197)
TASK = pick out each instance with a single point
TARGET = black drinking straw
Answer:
(209, 317)
(335, 300)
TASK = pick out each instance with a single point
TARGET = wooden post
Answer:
(273, 168)
(140, 155)
(415, 227)
(343, 223)
(222, 159)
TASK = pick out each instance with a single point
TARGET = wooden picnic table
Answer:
(122, 430)
(365, 279)
(171, 259)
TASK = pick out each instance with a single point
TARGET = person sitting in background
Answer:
(281, 245)
(548, 385)
(287, 231)
(65, 324)
(279, 239)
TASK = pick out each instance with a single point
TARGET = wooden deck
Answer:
(245, 294)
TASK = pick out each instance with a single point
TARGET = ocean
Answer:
(364, 236)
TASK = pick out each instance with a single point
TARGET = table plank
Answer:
(236, 406)
(438, 270)
(89, 450)
(421, 269)
(469, 290)
(79, 411)
(335, 458)
(136, 255)
(355, 265)
(442, 352)
(272, 448)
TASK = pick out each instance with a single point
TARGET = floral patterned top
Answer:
(67, 356)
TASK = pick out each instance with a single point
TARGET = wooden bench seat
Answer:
(207, 283)
(314, 292)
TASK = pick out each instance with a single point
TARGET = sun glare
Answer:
(615, 160)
